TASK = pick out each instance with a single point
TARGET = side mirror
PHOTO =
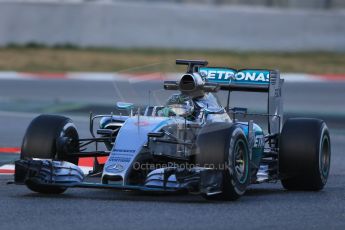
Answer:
(239, 110)
(156, 134)
(124, 105)
(220, 111)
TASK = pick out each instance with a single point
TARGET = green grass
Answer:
(37, 58)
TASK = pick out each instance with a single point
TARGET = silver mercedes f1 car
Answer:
(192, 144)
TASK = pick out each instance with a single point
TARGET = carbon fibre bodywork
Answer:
(150, 152)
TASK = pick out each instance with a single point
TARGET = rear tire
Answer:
(305, 154)
(224, 146)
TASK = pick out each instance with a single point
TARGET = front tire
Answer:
(224, 146)
(42, 135)
(44, 188)
(41, 141)
(305, 154)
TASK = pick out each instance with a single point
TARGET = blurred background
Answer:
(104, 35)
(72, 57)
(268, 3)
(77, 56)
(118, 41)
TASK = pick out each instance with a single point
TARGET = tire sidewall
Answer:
(323, 139)
(232, 181)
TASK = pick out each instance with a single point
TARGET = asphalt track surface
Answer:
(263, 206)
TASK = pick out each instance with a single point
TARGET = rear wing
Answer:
(252, 80)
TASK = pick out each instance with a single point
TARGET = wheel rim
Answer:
(325, 157)
(71, 133)
(240, 161)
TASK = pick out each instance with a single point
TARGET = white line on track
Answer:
(108, 76)
(31, 115)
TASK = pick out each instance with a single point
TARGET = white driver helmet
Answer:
(181, 105)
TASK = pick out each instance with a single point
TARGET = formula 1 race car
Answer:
(192, 144)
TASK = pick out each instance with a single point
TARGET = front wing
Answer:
(67, 175)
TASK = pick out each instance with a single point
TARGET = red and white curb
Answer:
(86, 164)
(108, 76)
(85, 76)
(8, 168)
